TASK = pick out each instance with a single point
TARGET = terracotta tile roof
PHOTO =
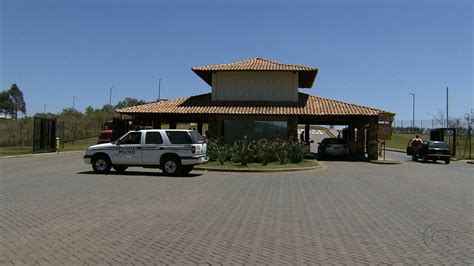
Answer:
(202, 104)
(306, 75)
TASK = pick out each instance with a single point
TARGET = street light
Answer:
(159, 89)
(413, 122)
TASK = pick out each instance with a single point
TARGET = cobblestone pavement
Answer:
(55, 211)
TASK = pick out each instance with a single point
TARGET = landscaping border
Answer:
(255, 170)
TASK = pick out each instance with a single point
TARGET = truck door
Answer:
(152, 148)
(129, 149)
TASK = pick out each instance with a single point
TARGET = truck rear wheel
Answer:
(101, 164)
(447, 161)
(171, 166)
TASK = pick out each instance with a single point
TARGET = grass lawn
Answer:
(80, 145)
(274, 165)
(400, 141)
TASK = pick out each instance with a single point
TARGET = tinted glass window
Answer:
(153, 138)
(195, 136)
(132, 138)
(254, 130)
(439, 145)
(179, 137)
(333, 141)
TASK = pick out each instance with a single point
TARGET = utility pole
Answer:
(73, 102)
(110, 95)
(44, 111)
(447, 107)
(413, 122)
(159, 89)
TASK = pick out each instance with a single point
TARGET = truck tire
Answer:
(171, 166)
(120, 168)
(101, 164)
(447, 161)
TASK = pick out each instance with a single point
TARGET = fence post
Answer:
(21, 134)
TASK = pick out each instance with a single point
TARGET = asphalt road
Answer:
(54, 210)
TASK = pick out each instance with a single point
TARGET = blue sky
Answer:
(369, 53)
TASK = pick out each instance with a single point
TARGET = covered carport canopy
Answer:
(361, 120)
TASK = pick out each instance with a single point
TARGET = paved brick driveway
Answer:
(53, 210)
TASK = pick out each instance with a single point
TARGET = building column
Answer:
(352, 145)
(199, 127)
(306, 133)
(212, 127)
(292, 132)
(372, 140)
(360, 141)
(172, 124)
(156, 124)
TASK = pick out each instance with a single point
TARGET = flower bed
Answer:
(261, 151)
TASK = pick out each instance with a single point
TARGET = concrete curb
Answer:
(388, 162)
(37, 154)
(395, 150)
(215, 169)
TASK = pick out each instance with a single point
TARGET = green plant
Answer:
(223, 152)
(242, 152)
(297, 151)
(281, 151)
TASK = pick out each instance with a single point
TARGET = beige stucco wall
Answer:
(255, 86)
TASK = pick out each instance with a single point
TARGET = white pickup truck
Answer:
(174, 151)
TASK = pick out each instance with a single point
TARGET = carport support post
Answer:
(360, 141)
(292, 128)
(199, 127)
(372, 140)
(306, 133)
(212, 127)
(172, 124)
(156, 124)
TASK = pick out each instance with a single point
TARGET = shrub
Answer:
(223, 152)
(264, 151)
(297, 151)
(281, 151)
(242, 152)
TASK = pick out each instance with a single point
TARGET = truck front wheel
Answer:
(101, 164)
(171, 166)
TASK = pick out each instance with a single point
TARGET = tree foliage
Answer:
(12, 102)
(129, 102)
(16, 96)
(6, 103)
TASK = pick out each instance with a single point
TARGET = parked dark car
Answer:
(432, 150)
(332, 147)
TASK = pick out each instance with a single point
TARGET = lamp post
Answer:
(159, 89)
(413, 121)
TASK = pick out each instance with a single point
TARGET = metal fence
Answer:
(425, 126)
(20, 133)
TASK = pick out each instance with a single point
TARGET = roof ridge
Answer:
(253, 59)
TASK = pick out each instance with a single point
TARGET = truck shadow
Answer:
(138, 173)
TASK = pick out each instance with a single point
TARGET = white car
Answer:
(174, 151)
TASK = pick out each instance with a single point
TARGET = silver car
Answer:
(332, 147)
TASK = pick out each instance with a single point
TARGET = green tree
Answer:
(16, 96)
(129, 102)
(6, 103)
